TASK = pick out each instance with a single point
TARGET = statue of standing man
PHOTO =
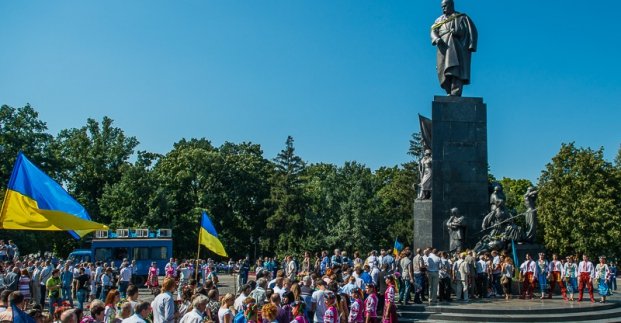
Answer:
(455, 37)
(456, 228)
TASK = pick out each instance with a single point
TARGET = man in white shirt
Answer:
(124, 279)
(292, 268)
(528, 270)
(46, 273)
(372, 259)
(586, 272)
(185, 274)
(318, 301)
(496, 274)
(198, 308)
(433, 271)
(380, 258)
(239, 301)
(36, 283)
(482, 277)
(460, 278)
(279, 286)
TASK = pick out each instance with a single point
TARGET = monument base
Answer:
(423, 222)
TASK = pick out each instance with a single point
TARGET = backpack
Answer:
(239, 317)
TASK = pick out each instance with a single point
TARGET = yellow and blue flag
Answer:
(208, 237)
(34, 201)
(397, 248)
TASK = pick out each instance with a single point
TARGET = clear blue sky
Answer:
(345, 78)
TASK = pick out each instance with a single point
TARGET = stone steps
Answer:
(513, 311)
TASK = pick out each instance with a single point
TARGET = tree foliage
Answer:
(579, 202)
(91, 157)
(281, 206)
(286, 223)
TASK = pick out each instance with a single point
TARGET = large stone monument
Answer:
(458, 139)
(459, 148)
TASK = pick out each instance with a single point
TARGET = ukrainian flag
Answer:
(34, 201)
(208, 237)
(397, 247)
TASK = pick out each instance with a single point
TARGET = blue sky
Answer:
(345, 78)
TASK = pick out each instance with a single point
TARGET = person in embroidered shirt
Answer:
(390, 311)
(586, 272)
(555, 269)
(370, 304)
(570, 272)
(529, 274)
(602, 274)
(542, 273)
(331, 315)
(356, 313)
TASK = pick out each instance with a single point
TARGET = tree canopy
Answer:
(268, 206)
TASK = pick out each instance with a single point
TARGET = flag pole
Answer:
(198, 255)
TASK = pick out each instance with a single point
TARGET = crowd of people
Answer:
(324, 288)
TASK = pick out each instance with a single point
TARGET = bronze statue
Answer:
(502, 229)
(498, 194)
(424, 170)
(456, 228)
(531, 214)
(455, 37)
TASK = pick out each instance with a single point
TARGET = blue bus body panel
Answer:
(81, 255)
(144, 251)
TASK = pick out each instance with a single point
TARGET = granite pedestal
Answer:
(459, 151)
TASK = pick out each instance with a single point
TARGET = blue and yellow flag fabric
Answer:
(20, 316)
(34, 201)
(397, 248)
(208, 237)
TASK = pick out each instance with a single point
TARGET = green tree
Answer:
(396, 195)
(230, 182)
(127, 202)
(21, 130)
(358, 222)
(415, 149)
(92, 157)
(322, 191)
(579, 203)
(514, 190)
(286, 223)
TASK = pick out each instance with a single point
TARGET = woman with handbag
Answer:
(507, 270)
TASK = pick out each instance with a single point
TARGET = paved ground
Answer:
(226, 285)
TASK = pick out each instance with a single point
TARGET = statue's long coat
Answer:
(460, 35)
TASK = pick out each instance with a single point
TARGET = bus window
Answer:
(141, 253)
(119, 253)
(158, 253)
(103, 254)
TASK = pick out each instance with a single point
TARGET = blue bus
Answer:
(141, 245)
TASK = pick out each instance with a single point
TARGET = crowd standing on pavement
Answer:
(329, 287)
